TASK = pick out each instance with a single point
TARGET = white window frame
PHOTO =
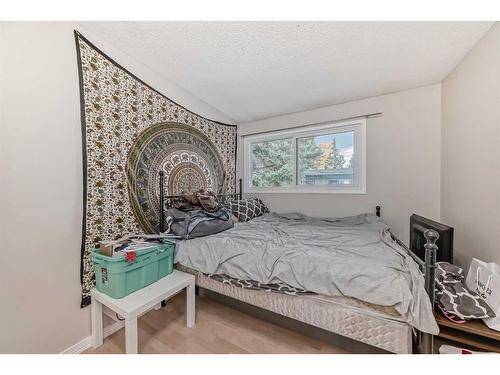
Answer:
(357, 126)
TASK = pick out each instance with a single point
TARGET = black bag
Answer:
(199, 223)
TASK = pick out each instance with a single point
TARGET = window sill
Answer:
(356, 191)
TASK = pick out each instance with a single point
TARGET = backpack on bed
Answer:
(199, 223)
(196, 200)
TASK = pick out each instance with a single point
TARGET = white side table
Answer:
(134, 305)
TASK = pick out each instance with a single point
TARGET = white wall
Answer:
(41, 183)
(403, 158)
(470, 195)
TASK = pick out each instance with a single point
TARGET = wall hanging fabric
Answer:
(130, 132)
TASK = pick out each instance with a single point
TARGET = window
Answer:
(327, 158)
(272, 163)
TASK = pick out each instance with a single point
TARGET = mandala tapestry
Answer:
(130, 133)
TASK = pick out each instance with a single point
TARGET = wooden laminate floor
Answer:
(218, 329)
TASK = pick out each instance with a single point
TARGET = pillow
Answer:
(247, 209)
(454, 298)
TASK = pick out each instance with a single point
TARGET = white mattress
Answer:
(379, 326)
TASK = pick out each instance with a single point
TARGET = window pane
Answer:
(272, 163)
(326, 159)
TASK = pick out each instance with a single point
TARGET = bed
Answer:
(348, 276)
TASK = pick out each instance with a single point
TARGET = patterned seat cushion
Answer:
(247, 209)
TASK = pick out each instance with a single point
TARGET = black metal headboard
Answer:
(166, 201)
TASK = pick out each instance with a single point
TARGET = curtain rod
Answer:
(369, 115)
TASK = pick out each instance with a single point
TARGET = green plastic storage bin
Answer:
(117, 278)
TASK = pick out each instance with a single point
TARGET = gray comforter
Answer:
(353, 256)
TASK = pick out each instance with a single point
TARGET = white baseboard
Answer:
(85, 344)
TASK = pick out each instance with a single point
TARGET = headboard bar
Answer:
(162, 201)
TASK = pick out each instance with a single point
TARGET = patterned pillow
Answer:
(454, 299)
(247, 209)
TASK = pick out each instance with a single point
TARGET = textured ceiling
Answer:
(256, 70)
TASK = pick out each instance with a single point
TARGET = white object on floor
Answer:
(134, 305)
(448, 349)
